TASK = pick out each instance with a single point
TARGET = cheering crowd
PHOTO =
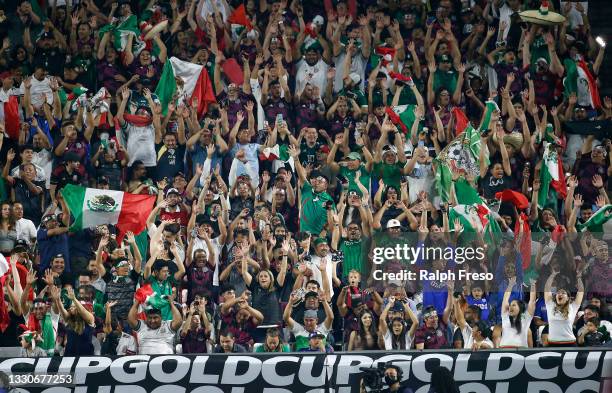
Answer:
(282, 142)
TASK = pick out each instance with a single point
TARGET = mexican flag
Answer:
(91, 207)
(403, 116)
(596, 222)
(461, 157)
(147, 296)
(551, 176)
(196, 84)
(121, 33)
(476, 217)
(461, 120)
(278, 152)
(581, 81)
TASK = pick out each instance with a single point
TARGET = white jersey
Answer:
(155, 341)
(315, 74)
(26, 230)
(141, 144)
(126, 345)
(389, 342)
(560, 329)
(510, 337)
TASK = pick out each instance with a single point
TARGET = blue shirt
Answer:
(435, 293)
(482, 304)
(50, 246)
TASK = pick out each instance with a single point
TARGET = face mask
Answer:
(390, 380)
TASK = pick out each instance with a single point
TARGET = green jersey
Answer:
(313, 215)
(353, 251)
(390, 173)
(364, 177)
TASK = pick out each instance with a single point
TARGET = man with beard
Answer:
(309, 107)
(174, 208)
(171, 153)
(197, 145)
(142, 129)
(52, 239)
(50, 50)
(28, 191)
(310, 323)
(315, 201)
(312, 68)
(70, 172)
(122, 278)
(155, 336)
(432, 334)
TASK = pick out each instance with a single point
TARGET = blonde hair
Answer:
(271, 287)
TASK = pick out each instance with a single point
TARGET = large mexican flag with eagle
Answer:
(461, 157)
(91, 207)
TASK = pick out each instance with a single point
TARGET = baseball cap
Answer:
(389, 149)
(172, 191)
(45, 35)
(311, 294)
(315, 174)
(393, 223)
(354, 156)
(21, 246)
(318, 20)
(355, 77)
(311, 314)
(316, 334)
(542, 60)
(397, 306)
(320, 240)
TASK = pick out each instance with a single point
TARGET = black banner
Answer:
(542, 370)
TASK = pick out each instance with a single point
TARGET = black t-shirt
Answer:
(267, 302)
(492, 185)
(171, 162)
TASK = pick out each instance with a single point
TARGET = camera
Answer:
(374, 377)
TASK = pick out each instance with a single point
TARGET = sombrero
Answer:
(542, 16)
(514, 139)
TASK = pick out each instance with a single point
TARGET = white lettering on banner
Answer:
(89, 365)
(402, 361)
(461, 369)
(137, 363)
(198, 374)
(606, 370)
(590, 366)
(129, 389)
(305, 372)
(349, 364)
(65, 366)
(207, 389)
(231, 365)
(532, 365)
(584, 386)
(7, 365)
(156, 368)
(543, 387)
(418, 365)
(269, 374)
(494, 373)
(42, 366)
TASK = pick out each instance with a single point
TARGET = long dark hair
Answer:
(402, 336)
(515, 322)
(442, 381)
(363, 331)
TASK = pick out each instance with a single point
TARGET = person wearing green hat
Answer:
(352, 168)
(315, 201)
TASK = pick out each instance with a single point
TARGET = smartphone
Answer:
(421, 143)
(279, 118)
(431, 20)
(600, 41)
